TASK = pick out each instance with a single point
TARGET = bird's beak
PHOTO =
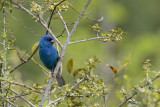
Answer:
(53, 41)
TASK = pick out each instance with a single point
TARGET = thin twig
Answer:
(64, 30)
(25, 86)
(1, 90)
(62, 55)
(24, 54)
(18, 54)
(135, 92)
(16, 96)
(50, 19)
(4, 39)
(28, 102)
(25, 61)
(1, 76)
(158, 76)
(55, 102)
(89, 39)
(77, 84)
(11, 103)
(1, 43)
(65, 25)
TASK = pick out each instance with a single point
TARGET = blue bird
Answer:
(49, 56)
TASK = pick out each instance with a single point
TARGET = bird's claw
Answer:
(53, 74)
(59, 57)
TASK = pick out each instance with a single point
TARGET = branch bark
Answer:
(11, 103)
(4, 64)
(25, 86)
(45, 95)
(65, 25)
(1, 76)
(4, 39)
(89, 39)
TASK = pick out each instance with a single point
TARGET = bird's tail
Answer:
(61, 81)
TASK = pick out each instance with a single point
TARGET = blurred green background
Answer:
(139, 18)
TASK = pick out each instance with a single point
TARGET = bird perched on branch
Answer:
(49, 56)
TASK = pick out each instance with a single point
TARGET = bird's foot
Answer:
(59, 57)
(53, 74)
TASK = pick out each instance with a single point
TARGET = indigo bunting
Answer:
(49, 56)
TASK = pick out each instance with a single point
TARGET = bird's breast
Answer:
(49, 57)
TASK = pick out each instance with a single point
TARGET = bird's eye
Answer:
(49, 39)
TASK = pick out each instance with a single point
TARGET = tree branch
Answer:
(89, 39)
(4, 39)
(25, 86)
(16, 96)
(1, 76)
(55, 102)
(46, 91)
(28, 102)
(50, 19)
(25, 61)
(65, 25)
(62, 55)
(4, 64)
(64, 30)
(11, 103)
(135, 92)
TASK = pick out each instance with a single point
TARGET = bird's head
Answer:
(46, 41)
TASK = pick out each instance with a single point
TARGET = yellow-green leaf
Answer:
(70, 65)
(122, 67)
(113, 69)
(4, 36)
(34, 46)
(77, 71)
(110, 87)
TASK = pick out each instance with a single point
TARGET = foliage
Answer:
(85, 86)
(142, 94)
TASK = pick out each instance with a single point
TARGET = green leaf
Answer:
(104, 34)
(77, 71)
(34, 46)
(70, 65)
(105, 40)
(119, 30)
(3, 78)
(4, 36)
(123, 66)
